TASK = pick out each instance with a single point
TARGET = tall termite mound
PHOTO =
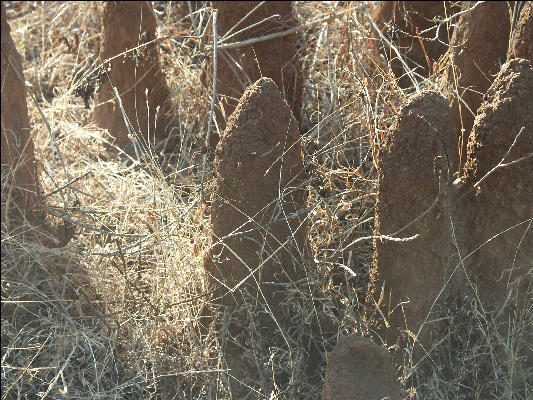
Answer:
(407, 25)
(258, 218)
(276, 58)
(359, 369)
(497, 212)
(414, 174)
(521, 44)
(259, 247)
(477, 49)
(479, 226)
(19, 177)
(136, 75)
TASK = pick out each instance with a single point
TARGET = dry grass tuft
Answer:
(115, 313)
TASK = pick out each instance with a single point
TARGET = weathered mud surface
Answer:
(125, 26)
(360, 369)
(258, 223)
(521, 45)
(478, 48)
(414, 167)
(399, 21)
(19, 195)
(276, 59)
(480, 225)
(259, 171)
(497, 219)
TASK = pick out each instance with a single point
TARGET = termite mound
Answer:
(477, 49)
(276, 58)
(360, 369)
(414, 183)
(259, 248)
(408, 26)
(19, 175)
(136, 75)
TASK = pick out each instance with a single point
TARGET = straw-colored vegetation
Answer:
(114, 314)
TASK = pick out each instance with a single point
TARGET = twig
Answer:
(400, 58)
(54, 381)
(27, 366)
(276, 35)
(380, 238)
(501, 164)
(226, 35)
(65, 185)
(92, 228)
(215, 50)
(193, 19)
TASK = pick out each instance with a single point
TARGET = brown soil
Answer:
(19, 196)
(276, 59)
(399, 21)
(521, 45)
(126, 25)
(360, 369)
(414, 163)
(506, 193)
(257, 158)
(478, 46)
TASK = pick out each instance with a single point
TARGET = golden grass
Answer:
(114, 314)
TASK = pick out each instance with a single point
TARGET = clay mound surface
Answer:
(521, 45)
(276, 59)
(399, 21)
(478, 46)
(126, 25)
(414, 164)
(19, 196)
(258, 173)
(360, 369)
(258, 223)
(506, 193)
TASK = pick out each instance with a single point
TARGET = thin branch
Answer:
(276, 35)
(501, 164)
(213, 96)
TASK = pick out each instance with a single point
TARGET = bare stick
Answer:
(65, 185)
(501, 164)
(215, 43)
(400, 58)
(288, 31)
(241, 20)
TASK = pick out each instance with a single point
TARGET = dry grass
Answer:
(115, 313)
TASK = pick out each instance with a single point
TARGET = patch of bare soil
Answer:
(276, 58)
(404, 23)
(136, 75)
(414, 167)
(259, 243)
(521, 45)
(360, 369)
(19, 178)
(477, 49)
